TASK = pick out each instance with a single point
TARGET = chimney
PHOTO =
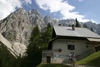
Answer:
(59, 24)
(73, 27)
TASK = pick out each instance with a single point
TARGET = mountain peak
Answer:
(47, 16)
(21, 10)
(35, 11)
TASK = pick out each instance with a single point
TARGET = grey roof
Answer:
(78, 32)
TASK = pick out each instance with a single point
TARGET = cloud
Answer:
(93, 21)
(60, 6)
(8, 6)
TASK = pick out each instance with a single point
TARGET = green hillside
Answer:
(93, 59)
(52, 65)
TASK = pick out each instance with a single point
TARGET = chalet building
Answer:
(65, 40)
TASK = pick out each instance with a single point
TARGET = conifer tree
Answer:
(92, 29)
(33, 52)
(46, 36)
(77, 23)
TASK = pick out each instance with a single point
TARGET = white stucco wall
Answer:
(80, 46)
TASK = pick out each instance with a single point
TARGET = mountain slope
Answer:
(18, 25)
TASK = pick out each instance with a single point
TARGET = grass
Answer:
(93, 59)
(52, 65)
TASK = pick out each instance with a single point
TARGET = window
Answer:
(71, 47)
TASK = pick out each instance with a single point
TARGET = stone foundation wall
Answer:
(56, 60)
(52, 59)
(59, 60)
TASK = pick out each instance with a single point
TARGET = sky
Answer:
(83, 10)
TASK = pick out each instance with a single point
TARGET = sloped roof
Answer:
(78, 32)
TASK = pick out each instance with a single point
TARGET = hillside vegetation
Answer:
(6, 58)
(93, 59)
(52, 65)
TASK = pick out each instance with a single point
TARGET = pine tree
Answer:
(49, 26)
(33, 52)
(46, 36)
(35, 34)
(92, 29)
(77, 23)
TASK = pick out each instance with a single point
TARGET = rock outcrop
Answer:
(52, 21)
(17, 26)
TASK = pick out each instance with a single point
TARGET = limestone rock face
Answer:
(16, 49)
(93, 25)
(52, 21)
(36, 19)
(17, 27)
(67, 22)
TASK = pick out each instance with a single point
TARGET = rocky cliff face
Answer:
(92, 25)
(35, 18)
(52, 21)
(17, 27)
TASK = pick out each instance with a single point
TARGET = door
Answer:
(48, 59)
(96, 49)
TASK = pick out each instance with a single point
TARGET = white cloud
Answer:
(8, 6)
(60, 6)
(93, 21)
